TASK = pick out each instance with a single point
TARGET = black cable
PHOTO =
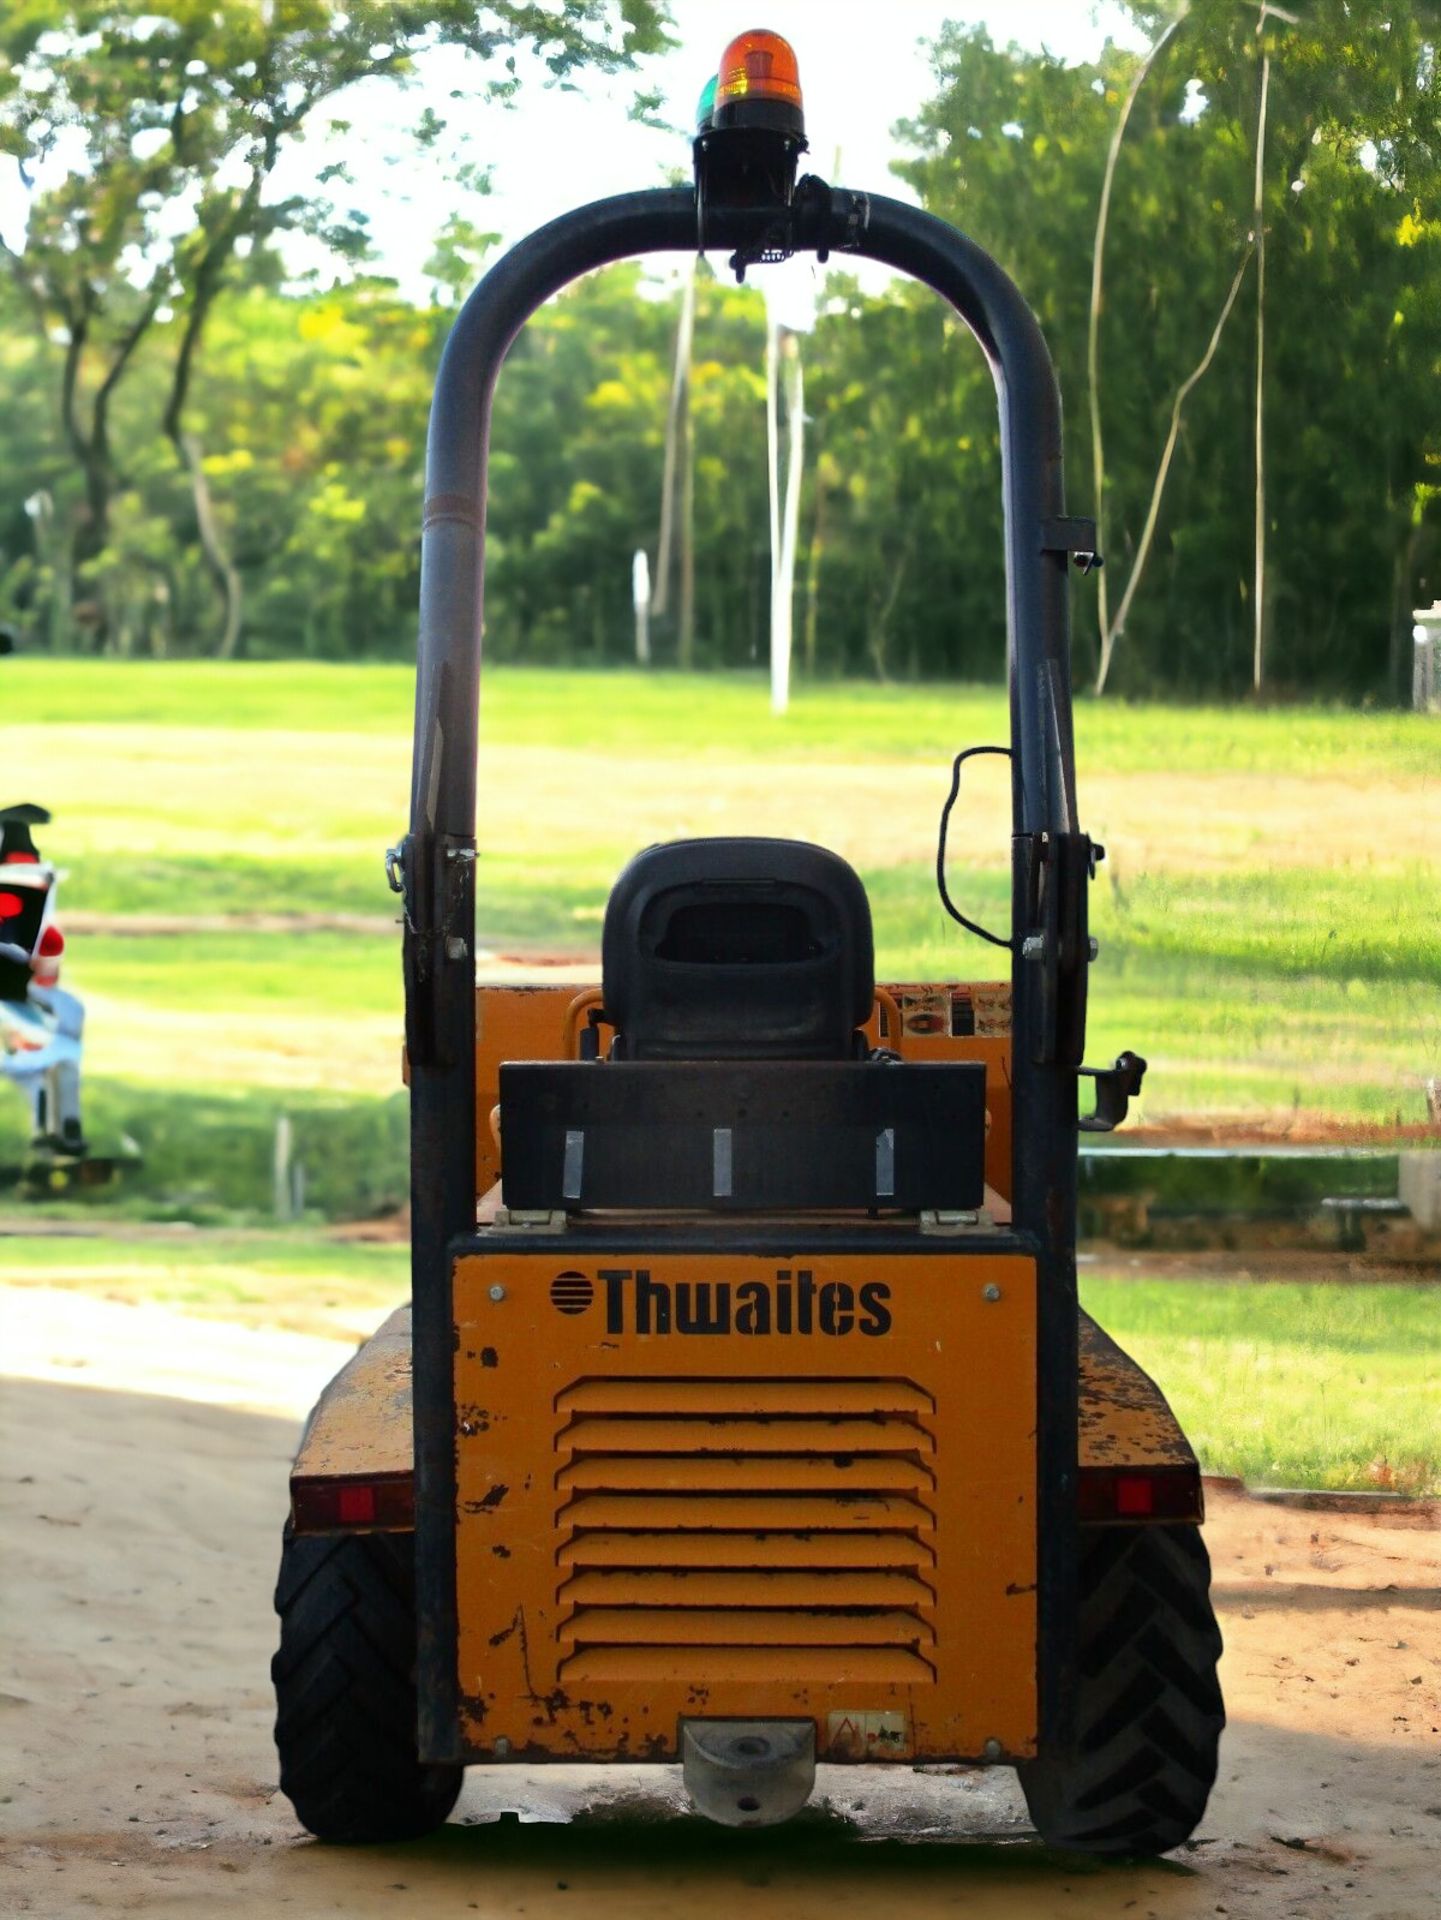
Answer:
(946, 901)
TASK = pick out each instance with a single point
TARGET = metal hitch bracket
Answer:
(748, 1773)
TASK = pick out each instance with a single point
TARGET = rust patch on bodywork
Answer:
(1124, 1418)
(362, 1423)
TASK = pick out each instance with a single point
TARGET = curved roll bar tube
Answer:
(439, 854)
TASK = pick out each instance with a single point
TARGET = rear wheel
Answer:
(1148, 1702)
(345, 1690)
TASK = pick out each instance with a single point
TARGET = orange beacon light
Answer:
(758, 85)
(750, 133)
(758, 65)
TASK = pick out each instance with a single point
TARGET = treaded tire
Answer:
(345, 1690)
(1148, 1704)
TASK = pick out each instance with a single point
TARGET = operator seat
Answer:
(738, 949)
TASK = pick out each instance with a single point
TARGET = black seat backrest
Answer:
(738, 949)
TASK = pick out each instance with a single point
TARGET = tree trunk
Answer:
(212, 545)
(90, 528)
(1093, 334)
(685, 644)
(814, 556)
(880, 625)
(1113, 630)
(209, 279)
(1262, 610)
(679, 403)
(791, 505)
(91, 446)
(1403, 596)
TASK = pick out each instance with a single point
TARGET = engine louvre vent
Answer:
(746, 1530)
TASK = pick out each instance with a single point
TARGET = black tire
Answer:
(345, 1690)
(1148, 1704)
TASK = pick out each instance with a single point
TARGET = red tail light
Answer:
(1140, 1493)
(385, 1504)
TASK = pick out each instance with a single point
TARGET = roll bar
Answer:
(664, 221)
(1051, 861)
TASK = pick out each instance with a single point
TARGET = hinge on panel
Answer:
(529, 1220)
(942, 1221)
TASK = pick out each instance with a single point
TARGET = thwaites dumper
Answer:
(744, 1415)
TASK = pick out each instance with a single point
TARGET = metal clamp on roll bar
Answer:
(1074, 537)
(1116, 1087)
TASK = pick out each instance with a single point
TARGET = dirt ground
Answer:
(142, 1481)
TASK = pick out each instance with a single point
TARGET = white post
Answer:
(784, 573)
(790, 312)
(773, 486)
(284, 1195)
(640, 597)
(1426, 661)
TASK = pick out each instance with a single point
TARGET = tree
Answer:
(317, 489)
(1111, 626)
(904, 573)
(1013, 147)
(1343, 102)
(577, 449)
(170, 118)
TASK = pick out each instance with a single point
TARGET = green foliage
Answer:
(298, 462)
(622, 711)
(575, 471)
(170, 119)
(293, 1279)
(323, 482)
(1012, 148)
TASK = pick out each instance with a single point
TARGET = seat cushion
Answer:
(737, 949)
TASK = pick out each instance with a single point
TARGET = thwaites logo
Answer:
(791, 1303)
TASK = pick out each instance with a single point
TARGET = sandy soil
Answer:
(142, 1510)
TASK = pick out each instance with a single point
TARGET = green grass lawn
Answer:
(1289, 1384)
(1284, 1383)
(296, 1280)
(1267, 915)
(623, 711)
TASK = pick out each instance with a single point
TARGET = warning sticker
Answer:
(993, 1010)
(868, 1736)
(953, 1010)
(926, 1010)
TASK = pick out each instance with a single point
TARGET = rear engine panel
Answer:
(703, 1484)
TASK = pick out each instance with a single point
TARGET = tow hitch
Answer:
(748, 1773)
